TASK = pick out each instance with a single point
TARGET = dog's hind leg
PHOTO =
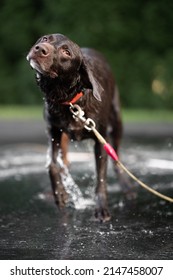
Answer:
(115, 133)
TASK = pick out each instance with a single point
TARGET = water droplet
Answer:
(169, 145)
(111, 226)
(121, 204)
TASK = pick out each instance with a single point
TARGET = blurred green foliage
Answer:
(135, 36)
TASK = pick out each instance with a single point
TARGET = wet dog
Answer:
(68, 74)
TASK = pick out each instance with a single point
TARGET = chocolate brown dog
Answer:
(67, 73)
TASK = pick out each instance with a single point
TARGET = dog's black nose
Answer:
(41, 49)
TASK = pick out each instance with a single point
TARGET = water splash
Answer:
(75, 194)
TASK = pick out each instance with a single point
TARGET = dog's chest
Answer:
(63, 119)
(76, 130)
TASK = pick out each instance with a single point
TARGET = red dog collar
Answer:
(75, 99)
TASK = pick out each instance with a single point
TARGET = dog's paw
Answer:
(130, 194)
(128, 188)
(102, 215)
(101, 211)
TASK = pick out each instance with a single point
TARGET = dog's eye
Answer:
(66, 52)
(44, 39)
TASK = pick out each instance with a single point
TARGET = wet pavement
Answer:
(31, 227)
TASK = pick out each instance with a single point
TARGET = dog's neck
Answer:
(59, 90)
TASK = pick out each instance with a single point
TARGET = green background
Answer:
(135, 36)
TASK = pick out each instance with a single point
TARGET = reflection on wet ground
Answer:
(31, 227)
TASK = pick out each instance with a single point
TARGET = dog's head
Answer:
(56, 56)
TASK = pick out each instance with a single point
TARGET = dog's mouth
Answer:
(40, 58)
(42, 69)
(35, 66)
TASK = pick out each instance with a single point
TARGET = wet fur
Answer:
(83, 70)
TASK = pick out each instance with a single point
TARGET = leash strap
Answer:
(89, 124)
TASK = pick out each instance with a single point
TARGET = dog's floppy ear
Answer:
(90, 80)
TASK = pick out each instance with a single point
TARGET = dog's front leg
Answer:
(55, 167)
(101, 212)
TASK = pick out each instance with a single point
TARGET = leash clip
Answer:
(89, 124)
(77, 112)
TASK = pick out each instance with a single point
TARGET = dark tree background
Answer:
(135, 36)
